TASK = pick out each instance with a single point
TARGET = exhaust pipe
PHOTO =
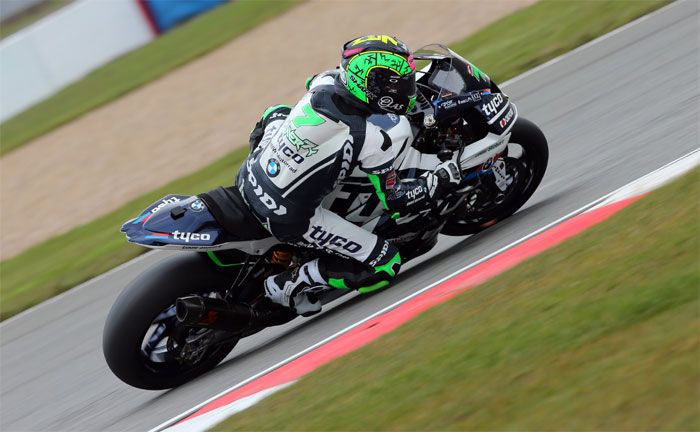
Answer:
(217, 314)
(212, 313)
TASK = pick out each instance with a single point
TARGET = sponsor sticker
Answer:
(388, 102)
(197, 206)
(273, 167)
(507, 118)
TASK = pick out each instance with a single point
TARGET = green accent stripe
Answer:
(369, 289)
(388, 266)
(374, 179)
(272, 108)
(337, 283)
(310, 118)
(218, 262)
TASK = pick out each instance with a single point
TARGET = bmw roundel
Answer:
(273, 167)
(197, 205)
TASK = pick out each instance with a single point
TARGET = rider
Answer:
(301, 153)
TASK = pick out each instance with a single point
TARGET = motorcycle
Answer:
(184, 315)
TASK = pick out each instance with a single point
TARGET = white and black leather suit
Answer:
(303, 154)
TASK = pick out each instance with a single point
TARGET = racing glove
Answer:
(445, 177)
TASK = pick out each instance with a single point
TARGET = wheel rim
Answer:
(162, 343)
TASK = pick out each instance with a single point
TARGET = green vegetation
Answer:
(599, 333)
(51, 267)
(175, 48)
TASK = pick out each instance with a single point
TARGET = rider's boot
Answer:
(296, 288)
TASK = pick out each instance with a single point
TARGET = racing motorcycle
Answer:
(184, 315)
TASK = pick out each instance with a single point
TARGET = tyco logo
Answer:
(324, 238)
(187, 237)
(491, 107)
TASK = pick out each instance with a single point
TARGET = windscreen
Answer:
(445, 80)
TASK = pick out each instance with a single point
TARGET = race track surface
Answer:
(612, 112)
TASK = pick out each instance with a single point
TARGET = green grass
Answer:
(175, 48)
(31, 16)
(51, 267)
(599, 333)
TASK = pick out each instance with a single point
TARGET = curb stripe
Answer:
(379, 326)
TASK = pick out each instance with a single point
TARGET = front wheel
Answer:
(144, 344)
(526, 162)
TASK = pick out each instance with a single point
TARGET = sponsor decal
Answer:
(323, 238)
(290, 153)
(474, 96)
(165, 202)
(506, 118)
(179, 235)
(380, 257)
(197, 206)
(447, 104)
(273, 167)
(278, 115)
(187, 236)
(390, 180)
(346, 163)
(491, 108)
(394, 118)
(262, 196)
(387, 102)
(308, 118)
(414, 193)
(300, 144)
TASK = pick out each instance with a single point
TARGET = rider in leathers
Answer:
(302, 153)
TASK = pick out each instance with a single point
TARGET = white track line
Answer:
(583, 209)
(510, 81)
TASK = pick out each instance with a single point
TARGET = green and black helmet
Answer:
(379, 71)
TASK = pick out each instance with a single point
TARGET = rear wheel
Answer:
(143, 343)
(525, 165)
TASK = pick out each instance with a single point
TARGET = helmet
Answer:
(379, 70)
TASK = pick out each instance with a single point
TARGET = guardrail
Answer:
(43, 58)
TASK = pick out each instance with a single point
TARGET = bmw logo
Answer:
(197, 206)
(273, 167)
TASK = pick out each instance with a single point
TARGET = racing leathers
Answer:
(303, 154)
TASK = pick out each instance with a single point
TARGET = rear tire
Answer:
(135, 310)
(533, 161)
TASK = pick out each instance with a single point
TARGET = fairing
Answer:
(183, 222)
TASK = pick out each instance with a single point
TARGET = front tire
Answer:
(529, 168)
(148, 302)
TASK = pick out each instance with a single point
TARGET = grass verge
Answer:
(599, 333)
(175, 48)
(58, 264)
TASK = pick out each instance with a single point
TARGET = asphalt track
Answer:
(612, 112)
